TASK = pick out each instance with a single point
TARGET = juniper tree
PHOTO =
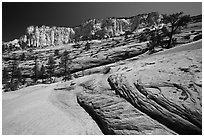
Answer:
(176, 21)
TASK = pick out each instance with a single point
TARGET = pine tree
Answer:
(14, 68)
(176, 21)
(56, 52)
(19, 74)
(22, 57)
(65, 64)
(3, 48)
(87, 46)
(154, 41)
(15, 75)
(42, 73)
(5, 75)
(51, 67)
(36, 70)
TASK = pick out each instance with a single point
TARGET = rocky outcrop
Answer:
(101, 28)
(114, 115)
(165, 89)
(164, 92)
(45, 35)
(180, 119)
(92, 29)
(103, 55)
(110, 27)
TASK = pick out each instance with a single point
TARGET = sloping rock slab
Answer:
(116, 116)
(168, 88)
(158, 107)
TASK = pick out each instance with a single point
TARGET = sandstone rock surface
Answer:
(115, 115)
(41, 110)
(165, 88)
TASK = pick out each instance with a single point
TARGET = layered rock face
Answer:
(167, 88)
(110, 27)
(115, 115)
(45, 35)
(92, 29)
(165, 93)
(102, 28)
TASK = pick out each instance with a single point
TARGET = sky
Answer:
(16, 16)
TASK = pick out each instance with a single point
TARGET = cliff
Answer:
(92, 29)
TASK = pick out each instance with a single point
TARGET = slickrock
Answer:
(164, 87)
(115, 115)
(180, 119)
(41, 110)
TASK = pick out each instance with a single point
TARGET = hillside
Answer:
(112, 99)
(101, 53)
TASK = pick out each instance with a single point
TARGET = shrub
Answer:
(56, 52)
